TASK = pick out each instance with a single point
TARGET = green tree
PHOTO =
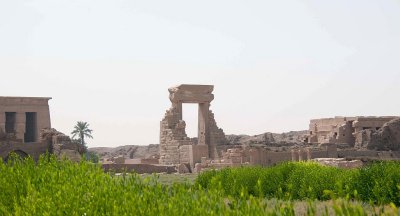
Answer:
(81, 130)
(92, 157)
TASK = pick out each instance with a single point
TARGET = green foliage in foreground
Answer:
(52, 187)
(378, 183)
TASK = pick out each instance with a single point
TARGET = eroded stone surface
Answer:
(61, 145)
(344, 130)
(384, 139)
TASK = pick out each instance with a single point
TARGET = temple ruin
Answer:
(25, 129)
(343, 130)
(24, 117)
(175, 146)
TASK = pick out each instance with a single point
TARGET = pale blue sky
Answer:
(274, 64)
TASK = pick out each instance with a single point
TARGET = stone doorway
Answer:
(175, 146)
(30, 127)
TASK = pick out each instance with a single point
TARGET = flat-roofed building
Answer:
(24, 117)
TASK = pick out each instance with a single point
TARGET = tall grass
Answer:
(54, 187)
(378, 183)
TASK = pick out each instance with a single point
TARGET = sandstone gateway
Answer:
(175, 146)
(346, 138)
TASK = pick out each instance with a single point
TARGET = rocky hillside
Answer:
(128, 151)
(267, 139)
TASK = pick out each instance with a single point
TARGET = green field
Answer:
(53, 187)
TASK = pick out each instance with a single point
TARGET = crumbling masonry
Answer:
(345, 130)
(175, 146)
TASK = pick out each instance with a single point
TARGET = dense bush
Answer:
(378, 183)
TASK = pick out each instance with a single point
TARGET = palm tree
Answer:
(81, 129)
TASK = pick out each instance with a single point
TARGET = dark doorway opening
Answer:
(18, 154)
(10, 122)
(30, 127)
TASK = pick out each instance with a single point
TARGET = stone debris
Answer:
(339, 162)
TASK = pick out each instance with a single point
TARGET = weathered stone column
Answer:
(20, 125)
(300, 155)
(3, 121)
(178, 107)
(294, 158)
(308, 150)
(203, 130)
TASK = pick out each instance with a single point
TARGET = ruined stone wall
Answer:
(172, 136)
(374, 123)
(217, 136)
(362, 139)
(326, 130)
(343, 130)
(383, 139)
(33, 150)
(264, 157)
(61, 145)
(139, 168)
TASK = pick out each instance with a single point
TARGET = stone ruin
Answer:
(175, 146)
(350, 131)
(345, 142)
(49, 141)
(22, 118)
(339, 141)
(386, 138)
(24, 130)
(61, 145)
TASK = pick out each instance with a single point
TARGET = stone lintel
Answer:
(12, 101)
(191, 93)
(200, 89)
(191, 98)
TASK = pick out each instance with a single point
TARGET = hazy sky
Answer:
(274, 64)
